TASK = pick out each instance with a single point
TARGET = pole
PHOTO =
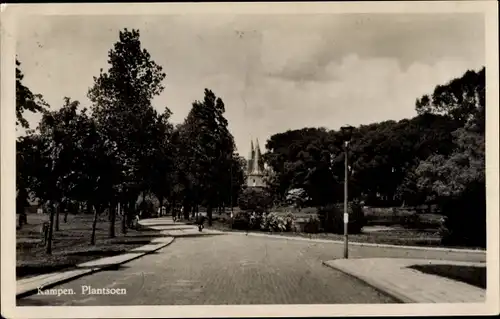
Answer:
(346, 214)
(231, 189)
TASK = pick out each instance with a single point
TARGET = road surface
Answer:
(222, 270)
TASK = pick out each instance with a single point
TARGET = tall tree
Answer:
(210, 145)
(55, 158)
(122, 107)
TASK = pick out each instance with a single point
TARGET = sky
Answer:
(273, 72)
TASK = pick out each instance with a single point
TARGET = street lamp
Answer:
(346, 135)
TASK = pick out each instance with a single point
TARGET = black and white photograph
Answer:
(258, 159)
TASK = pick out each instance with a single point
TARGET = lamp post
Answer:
(346, 134)
(231, 187)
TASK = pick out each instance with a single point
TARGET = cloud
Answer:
(283, 72)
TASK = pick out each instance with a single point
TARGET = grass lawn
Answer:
(70, 245)
(471, 275)
(395, 237)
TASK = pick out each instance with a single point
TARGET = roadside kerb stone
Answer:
(393, 277)
(426, 248)
(29, 286)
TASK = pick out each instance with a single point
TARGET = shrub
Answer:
(255, 199)
(465, 220)
(331, 218)
(246, 221)
(313, 225)
(240, 221)
(275, 223)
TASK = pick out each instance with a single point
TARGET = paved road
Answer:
(223, 269)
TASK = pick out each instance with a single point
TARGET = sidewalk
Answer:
(167, 227)
(28, 286)
(391, 276)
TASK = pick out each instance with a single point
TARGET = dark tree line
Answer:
(437, 157)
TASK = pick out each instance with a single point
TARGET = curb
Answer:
(425, 248)
(90, 271)
(400, 298)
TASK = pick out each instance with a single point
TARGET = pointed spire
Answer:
(257, 161)
(250, 160)
(251, 153)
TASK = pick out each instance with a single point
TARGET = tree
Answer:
(457, 181)
(460, 98)
(160, 175)
(209, 146)
(26, 100)
(54, 156)
(255, 199)
(125, 118)
(301, 159)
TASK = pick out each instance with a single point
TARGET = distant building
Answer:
(255, 167)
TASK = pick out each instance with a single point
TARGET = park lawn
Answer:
(408, 237)
(472, 275)
(70, 245)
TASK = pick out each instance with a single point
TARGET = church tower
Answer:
(255, 167)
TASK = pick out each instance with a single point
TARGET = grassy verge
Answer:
(71, 244)
(403, 237)
(395, 237)
(471, 275)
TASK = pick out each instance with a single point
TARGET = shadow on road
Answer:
(196, 235)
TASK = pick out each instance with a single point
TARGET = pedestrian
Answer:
(201, 221)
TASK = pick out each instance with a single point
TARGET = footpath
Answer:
(29, 286)
(393, 277)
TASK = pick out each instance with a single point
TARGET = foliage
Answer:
(26, 100)
(210, 164)
(461, 98)
(275, 223)
(255, 199)
(313, 225)
(297, 197)
(457, 181)
(135, 134)
(332, 218)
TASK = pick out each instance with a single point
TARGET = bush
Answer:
(331, 218)
(465, 220)
(246, 221)
(275, 223)
(313, 225)
(255, 199)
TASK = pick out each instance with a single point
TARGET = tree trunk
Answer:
(97, 210)
(223, 208)
(58, 208)
(160, 200)
(172, 207)
(50, 206)
(209, 214)
(66, 211)
(112, 219)
(186, 211)
(193, 211)
(124, 209)
(88, 209)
